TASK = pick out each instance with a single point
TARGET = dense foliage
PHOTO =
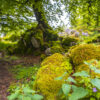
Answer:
(66, 64)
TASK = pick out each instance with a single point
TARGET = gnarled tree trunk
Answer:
(42, 21)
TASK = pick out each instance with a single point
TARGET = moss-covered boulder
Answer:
(52, 67)
(83, 52)
(57, 49)
(69, 41)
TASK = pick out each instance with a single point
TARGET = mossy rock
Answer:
(69, 41)
(52, 67)
(82, 53)
(50, 35)
(86, 68)
(57, 49)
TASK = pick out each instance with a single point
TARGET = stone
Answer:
(35, 42)
(48, 51)
(1, 54)
(77, 34)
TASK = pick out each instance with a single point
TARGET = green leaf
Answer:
(64, 74)
(20, 97)
(70, 79)
(78, 93)
(28, 90)
(26, 98)
(96, 82)
(66, 88)
(95, 69)
(85, 62)
(61, 77)
(74, 87)
(82, 73)
(37, 97)
(13, 96)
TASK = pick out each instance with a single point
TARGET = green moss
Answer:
(68, 40)
(43, 56)
(98, 52)
(82, 53)
(12, 37)
(7, 46)
(57, 49)
(51, 68)
(25, 45)
(50, 35)
(39, 35)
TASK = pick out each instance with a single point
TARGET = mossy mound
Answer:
(98, 52)
(69, 41)
(86, 68)
(57, 49)
(82, 53)
(52, 67)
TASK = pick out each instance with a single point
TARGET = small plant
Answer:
(85, 88)
(22, 72)
(14, 58)
(24, 92)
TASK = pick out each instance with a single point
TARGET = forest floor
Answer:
(6, 77)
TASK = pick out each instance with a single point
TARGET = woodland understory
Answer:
(49, 49)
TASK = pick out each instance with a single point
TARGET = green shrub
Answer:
(94, 39)
(7, 46)
(12, 37)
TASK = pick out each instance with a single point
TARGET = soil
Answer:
(5, 79)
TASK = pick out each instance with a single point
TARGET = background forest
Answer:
(49, 49)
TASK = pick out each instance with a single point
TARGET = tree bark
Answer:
(39, 11)
(40, 14)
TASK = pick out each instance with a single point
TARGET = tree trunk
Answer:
(89, 13)
(40, 14)
(39, 11)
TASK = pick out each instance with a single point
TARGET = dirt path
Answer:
(5, 79)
